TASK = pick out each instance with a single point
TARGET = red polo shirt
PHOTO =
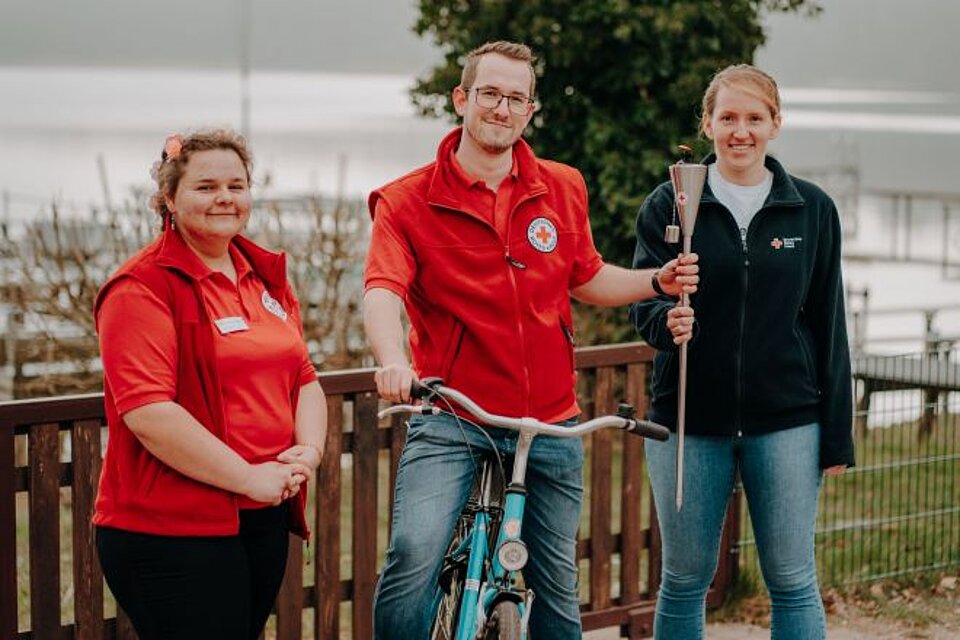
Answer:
(496, 204)
(261, 358)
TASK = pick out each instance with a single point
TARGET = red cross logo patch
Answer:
(542, 235)
(271, 305)
(776, 243)
(681, 198)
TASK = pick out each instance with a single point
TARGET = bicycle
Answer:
(479, 597)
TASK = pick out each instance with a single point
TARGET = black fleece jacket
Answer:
(770, 348)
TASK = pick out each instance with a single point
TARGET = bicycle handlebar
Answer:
(628, 423)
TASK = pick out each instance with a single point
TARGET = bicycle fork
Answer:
(510, 553)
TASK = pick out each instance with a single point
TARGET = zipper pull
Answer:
(514, 262)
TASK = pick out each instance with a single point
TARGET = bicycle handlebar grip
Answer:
(420, 389)
(647, 429)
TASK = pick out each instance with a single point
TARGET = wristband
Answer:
(655, 283)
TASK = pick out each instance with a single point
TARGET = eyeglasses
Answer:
(491, 98)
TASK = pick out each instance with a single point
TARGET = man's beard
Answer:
(489, 143)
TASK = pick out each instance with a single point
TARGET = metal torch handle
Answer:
(682, 396)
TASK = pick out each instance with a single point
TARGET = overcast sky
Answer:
(322, 35)
(878, 44)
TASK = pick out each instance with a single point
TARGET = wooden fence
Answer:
(50, 454)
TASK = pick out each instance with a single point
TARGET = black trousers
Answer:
(178, 588)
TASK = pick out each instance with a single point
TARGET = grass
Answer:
(885, 518)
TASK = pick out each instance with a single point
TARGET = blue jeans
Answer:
(781, 478)
(434, 479)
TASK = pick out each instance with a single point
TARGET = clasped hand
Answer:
(680, 275)
(274, 482)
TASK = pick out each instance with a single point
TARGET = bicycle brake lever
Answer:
(625, 410)
(421, 409)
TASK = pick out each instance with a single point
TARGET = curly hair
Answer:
(168, 171)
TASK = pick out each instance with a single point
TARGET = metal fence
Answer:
(898, 511)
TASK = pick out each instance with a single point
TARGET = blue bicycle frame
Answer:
(486, 581)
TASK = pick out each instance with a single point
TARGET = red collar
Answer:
(174, 253)
(449, 179)
(467, 181)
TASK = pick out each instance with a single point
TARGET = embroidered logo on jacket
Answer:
(786, 243)
(273, 306)
(542, 234)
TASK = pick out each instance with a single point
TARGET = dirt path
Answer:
(859, 630)
(883, 611)
(863, 629)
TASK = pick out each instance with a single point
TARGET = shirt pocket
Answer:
(571, 344)
(452, 350)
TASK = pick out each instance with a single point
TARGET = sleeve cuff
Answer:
(389, 285)
(128, 404)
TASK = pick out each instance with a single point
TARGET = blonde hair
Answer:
(512, 50)
(168, 171)
(745, 77)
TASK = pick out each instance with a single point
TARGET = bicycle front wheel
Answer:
(504, 622)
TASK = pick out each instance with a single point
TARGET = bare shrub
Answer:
(54, 265)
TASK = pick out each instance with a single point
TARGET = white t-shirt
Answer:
(742, 201)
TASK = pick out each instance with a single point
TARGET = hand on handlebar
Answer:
(394, 381)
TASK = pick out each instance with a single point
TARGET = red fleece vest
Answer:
(489, 313)
(137, 491)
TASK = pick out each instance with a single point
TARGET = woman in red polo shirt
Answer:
(216, 420)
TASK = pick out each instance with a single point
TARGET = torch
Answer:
(688, 180)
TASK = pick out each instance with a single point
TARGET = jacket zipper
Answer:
(743, 315)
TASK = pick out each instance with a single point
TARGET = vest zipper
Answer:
(513, 263)
(516, 264)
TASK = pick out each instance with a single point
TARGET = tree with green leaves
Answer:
(620, 82)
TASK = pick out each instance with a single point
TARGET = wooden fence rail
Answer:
(50, 455)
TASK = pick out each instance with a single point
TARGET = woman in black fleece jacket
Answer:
(769, 388)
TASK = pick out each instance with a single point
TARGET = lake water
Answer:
(351, 133)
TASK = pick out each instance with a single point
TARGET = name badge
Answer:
(230, 325)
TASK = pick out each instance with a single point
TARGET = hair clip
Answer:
(172, 146)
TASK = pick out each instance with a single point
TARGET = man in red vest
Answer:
(483, 248)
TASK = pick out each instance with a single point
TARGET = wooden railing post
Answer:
(632, 543)
(327, 525)
(601, 542)
(8, 534)
(87, 577)
(44, 508)
(365, 455)
(728, 567)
